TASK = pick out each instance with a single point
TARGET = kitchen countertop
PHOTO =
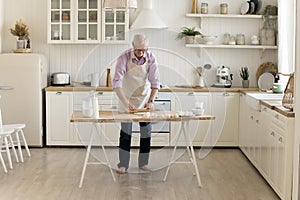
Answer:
(170, 89)
(277, 106)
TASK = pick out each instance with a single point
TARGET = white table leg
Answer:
(96, 125)
(190, 150)
(105, 155)
(86, 159)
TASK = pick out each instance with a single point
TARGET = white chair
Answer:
(6, 139)
(18, 129)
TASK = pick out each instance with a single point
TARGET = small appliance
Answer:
(60, 79)
(224, 78)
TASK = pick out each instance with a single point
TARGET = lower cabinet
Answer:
(60, 131)
(223, 131)
(199, 131)
(225, 107)
(266, 138)
(59, 108)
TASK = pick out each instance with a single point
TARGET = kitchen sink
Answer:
(266, 96)
(253, 99)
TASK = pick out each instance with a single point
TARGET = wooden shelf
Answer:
(218, 46)
(224, 16)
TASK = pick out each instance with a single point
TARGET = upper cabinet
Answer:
(115, 25)
(60, 17)
(85, 21)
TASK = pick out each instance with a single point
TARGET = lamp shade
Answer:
(120, 4)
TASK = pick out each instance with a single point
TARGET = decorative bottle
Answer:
(108, 79)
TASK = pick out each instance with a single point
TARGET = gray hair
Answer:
(140, 40)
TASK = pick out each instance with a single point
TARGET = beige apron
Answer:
(136, 85)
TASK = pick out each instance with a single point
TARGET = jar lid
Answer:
(223, 4)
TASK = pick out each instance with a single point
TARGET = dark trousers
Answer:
(125, 142)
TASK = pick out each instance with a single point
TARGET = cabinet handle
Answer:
(257, 121)
(58, 93)
(280, 139)
(277, 116)
(225, 94)
(114, 107)
(191, 93)
(251, 117)
(264, 109)
(100, 93)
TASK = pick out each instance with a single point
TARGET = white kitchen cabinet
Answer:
(225, 107)
(266, 138)
(199, 130)
(115, 25)
(281, 154)
(59, 107)
(74, 21)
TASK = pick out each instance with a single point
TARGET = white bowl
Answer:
(209, 39)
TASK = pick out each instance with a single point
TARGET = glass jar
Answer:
(226, 38)
(204, 8)
(240, 39)
(223, 8)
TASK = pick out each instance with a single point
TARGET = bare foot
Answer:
(121, 170)
(146, 168)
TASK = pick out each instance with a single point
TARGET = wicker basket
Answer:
(288, 97)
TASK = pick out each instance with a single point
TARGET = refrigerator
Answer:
(25, 77)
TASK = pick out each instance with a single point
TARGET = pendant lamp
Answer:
(120, 4)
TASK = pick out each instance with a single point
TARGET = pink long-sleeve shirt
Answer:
(123, 62)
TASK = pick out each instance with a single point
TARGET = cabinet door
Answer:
(243, 123)
(88, 21)
(225, 108)
(266, 118)
(59, 109)
(115, 25)
(60, 19)
(199, 131)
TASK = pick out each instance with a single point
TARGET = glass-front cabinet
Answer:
(74, 21)
(115, 25)
(88, 20)
(60, 20)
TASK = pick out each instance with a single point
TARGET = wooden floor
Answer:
(54, 173)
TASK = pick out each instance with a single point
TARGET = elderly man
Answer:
(136, 82)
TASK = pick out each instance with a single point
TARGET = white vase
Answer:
(20, 43)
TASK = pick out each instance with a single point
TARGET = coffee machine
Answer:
(224, 78)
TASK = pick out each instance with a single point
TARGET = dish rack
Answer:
(288, 97)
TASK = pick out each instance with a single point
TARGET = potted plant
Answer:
(244, 73)
(189, 34)
(21, 31)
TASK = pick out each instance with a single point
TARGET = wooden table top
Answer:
(155, 116)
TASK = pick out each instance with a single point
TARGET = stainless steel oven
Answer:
(162, 103)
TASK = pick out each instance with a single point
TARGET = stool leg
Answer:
(25, 143)
(1, 158)
(13, 147)
(19, 146)
(8, 153)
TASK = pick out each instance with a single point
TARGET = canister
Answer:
(204, 8)
(223, 8)
(240, 39)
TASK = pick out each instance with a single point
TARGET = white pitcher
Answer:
(95, 79)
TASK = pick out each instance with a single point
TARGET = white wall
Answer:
(1, 23)
(171, 53)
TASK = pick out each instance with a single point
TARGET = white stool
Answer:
(5, 135)
(18, 128)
